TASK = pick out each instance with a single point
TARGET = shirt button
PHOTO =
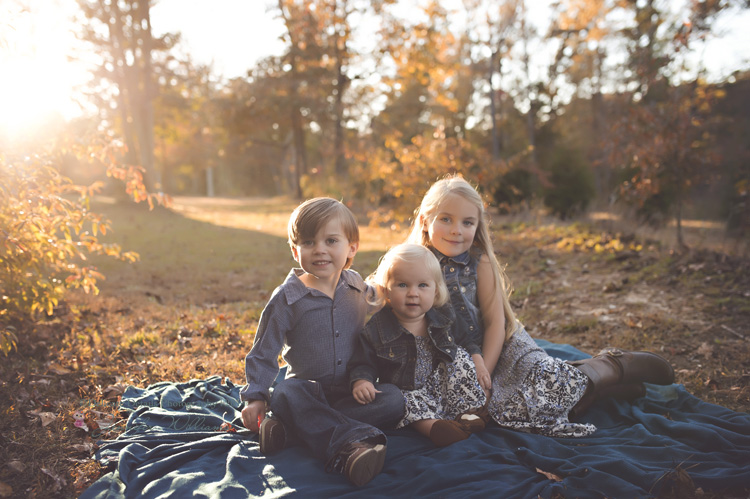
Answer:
(339, 362)
(450, 339)
(471, 328)
(463, 308)
(455, 288)
(452, 269)
(463, 289)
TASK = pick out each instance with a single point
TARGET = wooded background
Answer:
(610, 107)
(371, 102)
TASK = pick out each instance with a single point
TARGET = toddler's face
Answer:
(452, 229)
(410, 291)
(325, 255)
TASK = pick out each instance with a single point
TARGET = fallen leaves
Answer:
(113, 391)
(549, 475)
(706, 350)
(58, 369)
(5, 490)
(45, 417)
(58, 481)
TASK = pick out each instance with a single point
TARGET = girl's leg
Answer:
(423, 426)
(442, 432)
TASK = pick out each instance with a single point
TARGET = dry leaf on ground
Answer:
(549, 475)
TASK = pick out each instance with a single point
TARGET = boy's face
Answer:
(452, 230)
(325, 255)
(410, 291)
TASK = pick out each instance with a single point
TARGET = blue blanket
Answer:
(667, 443)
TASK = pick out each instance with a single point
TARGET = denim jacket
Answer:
(460, 274)
(388, 352)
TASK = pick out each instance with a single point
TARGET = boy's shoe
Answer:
(272, 436)
(361, 461)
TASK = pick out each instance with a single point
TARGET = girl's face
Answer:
(410, 290)
(452, 229)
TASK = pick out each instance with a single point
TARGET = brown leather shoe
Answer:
(628, 391)
(471, 422)
(271, 436)
(362, 461)
(612, 367)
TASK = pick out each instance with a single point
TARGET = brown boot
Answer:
(626, 391)
(613, 367)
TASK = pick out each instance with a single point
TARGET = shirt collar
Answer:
(390, 329)
(295, 289)
(461, 259)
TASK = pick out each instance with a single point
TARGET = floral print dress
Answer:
(442, 392)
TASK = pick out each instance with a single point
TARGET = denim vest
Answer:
(460, 274)
(388, 352)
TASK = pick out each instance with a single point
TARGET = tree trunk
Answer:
(146, 94)
(493, 109)
(300, 157)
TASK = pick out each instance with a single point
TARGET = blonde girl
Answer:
(414, 343)
(531, 391)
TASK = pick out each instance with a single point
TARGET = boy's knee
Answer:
(291, 390)
(391, 400)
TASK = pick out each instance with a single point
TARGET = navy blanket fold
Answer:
(668, 442)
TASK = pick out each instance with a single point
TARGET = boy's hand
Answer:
(364, 391)
(253, 413)
(483, 375)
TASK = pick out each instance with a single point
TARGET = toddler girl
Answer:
(414, 343)
(531, 391)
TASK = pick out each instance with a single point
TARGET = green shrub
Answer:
(571, 183)
(514, 188)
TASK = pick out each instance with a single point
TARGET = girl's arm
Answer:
(493, 316)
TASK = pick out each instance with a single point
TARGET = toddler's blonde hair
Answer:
(409, 254)
(482, 244)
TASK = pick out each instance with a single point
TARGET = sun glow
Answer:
(37, 80)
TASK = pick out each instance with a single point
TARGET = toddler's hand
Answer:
(364, 391)
(253, 414)
(483, 375)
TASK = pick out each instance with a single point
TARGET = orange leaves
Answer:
(48, 232)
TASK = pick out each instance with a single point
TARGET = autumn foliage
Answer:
(48, 232)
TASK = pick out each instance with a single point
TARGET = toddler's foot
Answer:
(360, 461)
(471, 422)
(445, 432)
(272, 436)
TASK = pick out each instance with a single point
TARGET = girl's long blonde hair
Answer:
(411, 254)
(482, 244)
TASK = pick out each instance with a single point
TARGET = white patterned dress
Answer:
(445, 392)
(533, 392)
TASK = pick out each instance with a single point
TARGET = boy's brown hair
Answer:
(307, 219)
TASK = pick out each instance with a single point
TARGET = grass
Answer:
(190, 306)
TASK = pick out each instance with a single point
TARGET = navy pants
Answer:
(326, 419)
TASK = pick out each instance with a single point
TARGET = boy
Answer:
(314, 317)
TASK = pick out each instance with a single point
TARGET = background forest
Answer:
(608, 105)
